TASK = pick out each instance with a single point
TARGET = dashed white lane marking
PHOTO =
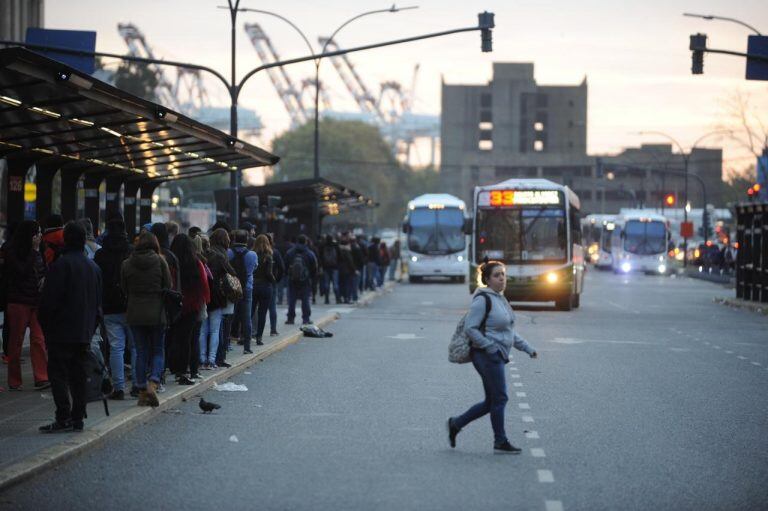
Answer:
(527, 418)
(553, 505)
(716, 347)
(729, 352)
(756, 363)
(405, 336)
(517, 384)
(741, 357)
(538, 452)
(524, 406)
(520, 394)
(545, 476)
(706, 342)
(513, 369)
(515, 375)
(533, 435)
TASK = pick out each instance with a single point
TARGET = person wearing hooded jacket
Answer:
(114, 250)
(70, 307)
(143, 276)
(490, 345)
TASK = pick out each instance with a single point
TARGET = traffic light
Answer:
(750, 192)
(669, 200)
(485, 22)
(698, 45)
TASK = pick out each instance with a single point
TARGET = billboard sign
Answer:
(70, 39)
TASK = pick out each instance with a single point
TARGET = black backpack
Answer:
(238, 263)
(329, 256)
(297, 271)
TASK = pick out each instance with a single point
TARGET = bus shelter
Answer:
(57, 122)
(293, 203)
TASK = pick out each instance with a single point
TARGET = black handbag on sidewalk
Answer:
(172, 303)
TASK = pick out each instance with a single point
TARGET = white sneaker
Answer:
(160, 388)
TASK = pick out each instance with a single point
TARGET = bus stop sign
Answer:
(686, 229)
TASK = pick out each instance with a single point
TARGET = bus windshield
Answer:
(436, 231)
(521, 236)
(645, 238)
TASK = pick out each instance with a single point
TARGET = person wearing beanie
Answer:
(69, 314)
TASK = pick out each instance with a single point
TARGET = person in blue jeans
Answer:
(279, 273)
(492, 335)
(301, 266)
(115, 248)
(244, 262)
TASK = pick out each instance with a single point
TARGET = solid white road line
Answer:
(527, 418)
(524, 406)
(553, 505)
(545, 476)
(538, 452)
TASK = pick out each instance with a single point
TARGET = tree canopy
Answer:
(354, 154)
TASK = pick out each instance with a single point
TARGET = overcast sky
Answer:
(634, 54)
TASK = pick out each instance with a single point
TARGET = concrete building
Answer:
(513, 127)
(17, 15)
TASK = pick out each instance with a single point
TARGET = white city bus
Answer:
(436, 241)
(531, 225)
(596, 231)
(640, 242)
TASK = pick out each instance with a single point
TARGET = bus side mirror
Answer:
(468, 226)
(406, 228)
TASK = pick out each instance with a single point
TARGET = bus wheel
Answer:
(462, 279)
(564, 303)
(414, 279)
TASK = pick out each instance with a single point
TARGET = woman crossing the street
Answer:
(490, 327)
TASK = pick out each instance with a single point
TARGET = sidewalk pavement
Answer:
(759, 307)
(25, 452)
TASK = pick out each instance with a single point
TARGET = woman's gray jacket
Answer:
(499, 335)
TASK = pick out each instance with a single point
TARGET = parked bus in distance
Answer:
(533, 227)
(640, 242)
(596, 231)
(436, 237)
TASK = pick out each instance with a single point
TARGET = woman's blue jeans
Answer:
(150, 350)
(490, 367)
(209, 336)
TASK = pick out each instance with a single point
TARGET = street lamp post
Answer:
(710, 17)
(686, 159)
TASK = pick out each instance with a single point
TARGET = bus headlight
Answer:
(414, 258)
(626, 267)
(460, 258)
(552, 277)
(662, 268)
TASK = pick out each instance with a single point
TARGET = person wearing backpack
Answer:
(70, 306)
(244, 262)
(302, 267)
(489, 324)
(53, 238)
(329, 257)
(210, 330)
(115, 249)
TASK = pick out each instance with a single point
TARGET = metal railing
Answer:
(752, 257)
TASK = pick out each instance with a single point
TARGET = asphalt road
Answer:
(648, 397)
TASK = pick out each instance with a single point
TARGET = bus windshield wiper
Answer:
(533, 222)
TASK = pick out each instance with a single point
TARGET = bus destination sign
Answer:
(510, 198)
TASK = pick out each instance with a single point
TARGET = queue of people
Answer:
(67, 287)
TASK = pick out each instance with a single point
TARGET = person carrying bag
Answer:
(490, 332)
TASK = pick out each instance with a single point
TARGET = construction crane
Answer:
(187, 93)
(353, 82)
(289, 94)
(138, 47)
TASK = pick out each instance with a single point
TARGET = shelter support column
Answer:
(18, 166)
(69, 179)
(91, 185)
(145, 203)
(113, 205)
(44, 201)
(129, 206)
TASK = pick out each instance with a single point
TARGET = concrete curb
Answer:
(127, 420)
(760, 308)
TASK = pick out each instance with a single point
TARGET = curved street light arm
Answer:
(349, 50)
(274, 14)
(668, 137)
(710, 17)
(350, 20)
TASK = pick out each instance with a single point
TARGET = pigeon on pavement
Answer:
(207, 406)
